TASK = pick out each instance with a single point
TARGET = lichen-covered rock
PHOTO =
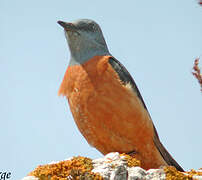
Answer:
(135, 173)
(113, 166)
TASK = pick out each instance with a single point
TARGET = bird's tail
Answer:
(164, 153)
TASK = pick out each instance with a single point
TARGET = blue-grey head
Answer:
(85, 40)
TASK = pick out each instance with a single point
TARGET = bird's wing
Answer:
(126, 78)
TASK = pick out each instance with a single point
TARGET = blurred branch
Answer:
(197, 72)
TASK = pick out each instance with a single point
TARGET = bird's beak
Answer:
(67, 26)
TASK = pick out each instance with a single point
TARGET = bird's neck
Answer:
(81, 55)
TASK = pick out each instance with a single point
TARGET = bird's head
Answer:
(85, 40)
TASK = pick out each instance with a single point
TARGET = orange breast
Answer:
(109, 114)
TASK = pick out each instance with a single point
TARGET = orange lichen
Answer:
(195, 173)
(173, 174)
(131, 161)
(76, 168)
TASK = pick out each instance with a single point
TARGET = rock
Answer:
(30, 178)
(135, 173)
(155, 174)
(113, 166)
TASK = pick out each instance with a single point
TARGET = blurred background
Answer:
(156, 40)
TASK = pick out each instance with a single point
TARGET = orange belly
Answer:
(109, 114)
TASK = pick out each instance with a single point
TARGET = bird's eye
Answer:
(87, 26)
(92, 27)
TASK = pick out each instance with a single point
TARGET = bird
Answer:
(104, 99)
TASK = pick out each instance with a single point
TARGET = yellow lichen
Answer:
(131, 161)
(76, 168)
(173, 174)
(194, 172)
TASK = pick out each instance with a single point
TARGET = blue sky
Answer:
(156, 40)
